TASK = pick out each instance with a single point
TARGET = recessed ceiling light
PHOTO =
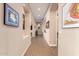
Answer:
(38, 9)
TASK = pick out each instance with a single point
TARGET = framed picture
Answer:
(31, 27)
(23, 22)
(47, 24)
(11, 17)
(71, 15)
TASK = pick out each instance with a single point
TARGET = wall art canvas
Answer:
(11, 17)
(47, 24)
(23, 22)
(71, 15)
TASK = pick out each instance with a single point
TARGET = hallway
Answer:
(40, 48)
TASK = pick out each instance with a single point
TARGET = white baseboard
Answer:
(26, 49)
(52, 45)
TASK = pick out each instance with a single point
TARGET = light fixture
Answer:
(38, 9)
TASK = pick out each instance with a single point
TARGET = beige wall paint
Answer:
(3, 34)
(44, 30)
(51, 33)
(68, 42)
(34, 26)
(53, 27)
(12, 40)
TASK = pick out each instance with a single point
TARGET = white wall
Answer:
(51, 33)
(34, 26)
(11, 38)
(68, 42)
(53, 27)
(44, 30)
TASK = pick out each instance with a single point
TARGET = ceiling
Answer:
(39, 10)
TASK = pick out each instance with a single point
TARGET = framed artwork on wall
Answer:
(71, 15)
(11, 17)
(31, 27)
(47, 24)
(23, 22)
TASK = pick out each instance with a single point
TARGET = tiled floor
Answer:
(40, 48)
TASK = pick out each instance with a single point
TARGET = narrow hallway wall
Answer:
(34, 27)
(11, 38)
(50, 34)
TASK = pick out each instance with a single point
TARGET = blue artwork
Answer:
(11, 16)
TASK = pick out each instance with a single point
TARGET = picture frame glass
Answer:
(12, 18)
